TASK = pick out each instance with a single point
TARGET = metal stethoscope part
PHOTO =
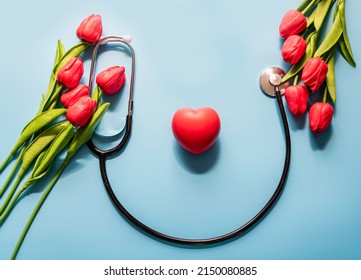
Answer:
(270, 83)
(270, 78)
(126, 40)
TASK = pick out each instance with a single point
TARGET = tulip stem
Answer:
(9, 197)
(325, 95)
(13, 172)
(310, 5)
(11, 205)
(37, 208)
(303, 5)
(5, 162)
(295, 81)
(10, 177)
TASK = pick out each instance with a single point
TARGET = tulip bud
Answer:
(90, 29)
(71, 96)
(293, 23)
(293, 49)
(297, 98)
(111, 80)
(320, 117)
(80, 112)
(70, 74)
(314, 73)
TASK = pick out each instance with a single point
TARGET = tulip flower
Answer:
(70, 74)
(293, 49)
(314, 73)
(80, 112)
(297, 98)
(111, 80)
(69, 97)
(90, 29)
(320, 117)
(292, 23)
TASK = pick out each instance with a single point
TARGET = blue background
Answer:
(189, 54)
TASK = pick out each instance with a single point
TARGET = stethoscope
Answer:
(270, 84)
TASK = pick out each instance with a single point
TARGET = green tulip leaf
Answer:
(58, 144)
(51, 98)
(311, 20)
(344, 42)
(331, 38)
(52, 87)
(35, 125)
(40, 143)
(330, 79)
(39, 159)
(97, 94)
(345, 52)
(60, 51)
(32, 179)
(321, 12)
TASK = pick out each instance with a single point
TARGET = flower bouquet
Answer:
(312, 61)
(66, 119)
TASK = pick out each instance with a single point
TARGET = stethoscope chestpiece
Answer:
(272, 78)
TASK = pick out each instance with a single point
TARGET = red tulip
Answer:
(293, 49)
(314, 73)
(320, 117)
(69, 97)
(296, 98)
(90, 29)
(70, 74)
(111, 80)
(80, 112)
(293, 23)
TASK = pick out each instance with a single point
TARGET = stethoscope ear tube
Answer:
(128, 125)
(104, 153)
(207, 241)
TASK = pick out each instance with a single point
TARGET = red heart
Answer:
(196, 130)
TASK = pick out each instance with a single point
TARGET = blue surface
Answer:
(189, 54)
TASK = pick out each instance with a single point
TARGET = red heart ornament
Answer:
(196, 130)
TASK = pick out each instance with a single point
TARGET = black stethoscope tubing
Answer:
(103, 154)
